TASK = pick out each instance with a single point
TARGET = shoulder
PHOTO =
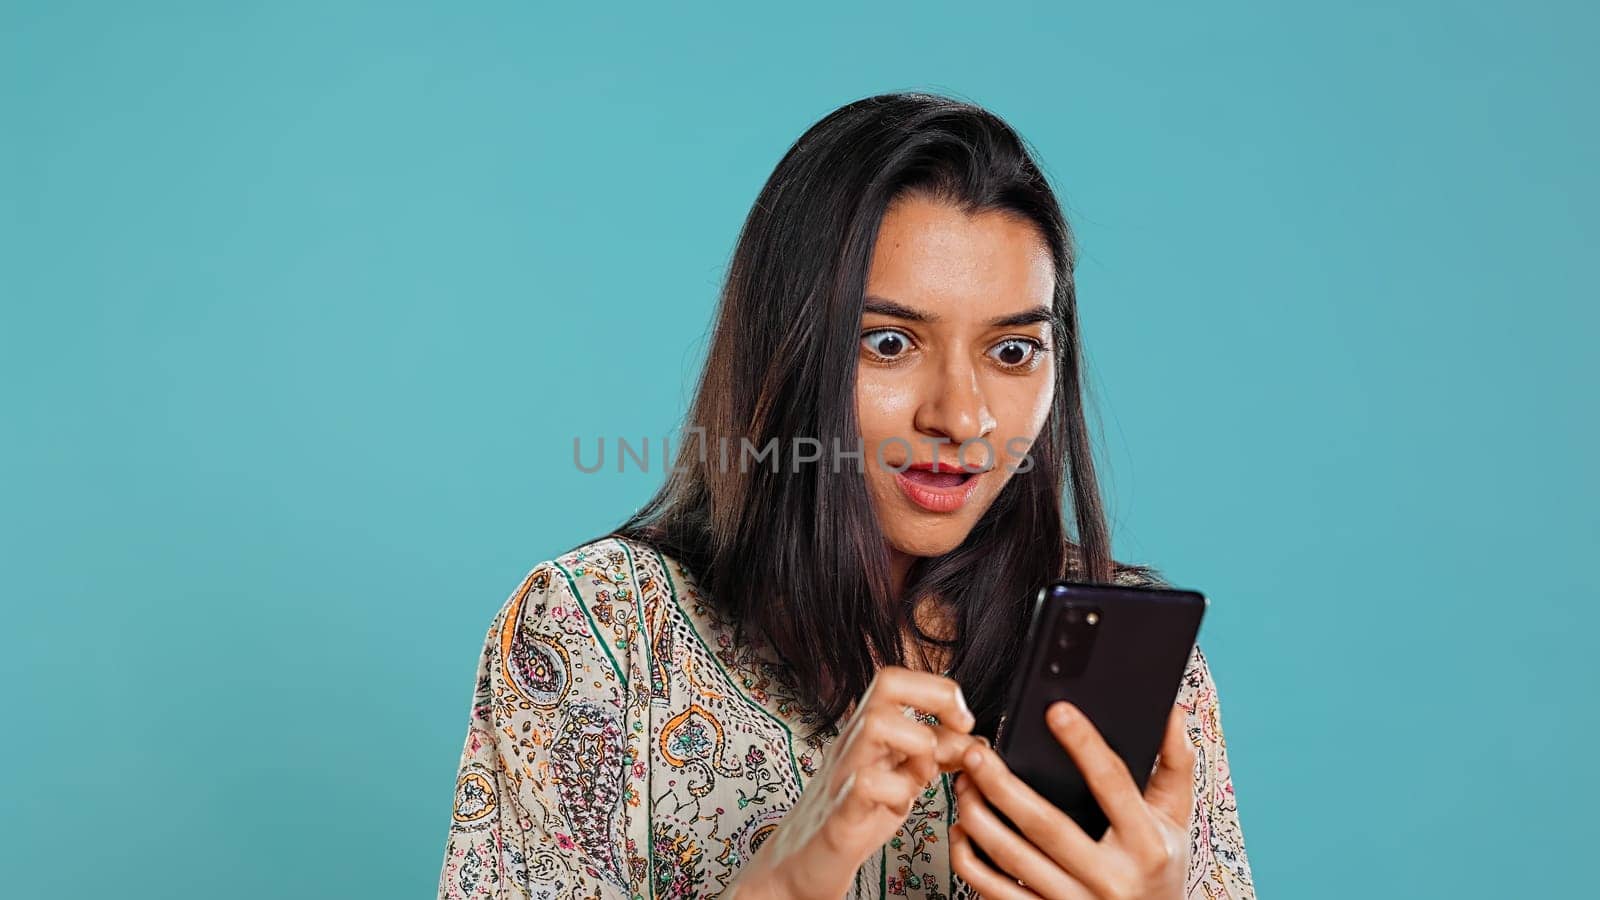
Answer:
(1137, 575)
(585, 602)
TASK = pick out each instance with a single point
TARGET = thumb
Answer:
(1171, 786)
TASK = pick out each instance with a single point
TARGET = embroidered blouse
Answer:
(621, 745)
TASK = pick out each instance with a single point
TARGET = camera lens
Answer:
(1055, 667)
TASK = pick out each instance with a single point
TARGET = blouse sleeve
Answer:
(544, 805)
(1218, 866)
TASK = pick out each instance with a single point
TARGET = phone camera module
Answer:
(1073, 642)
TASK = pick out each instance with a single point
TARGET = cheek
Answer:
(884, 406)
(1043, 399)
(1022, 408)
(885, 409)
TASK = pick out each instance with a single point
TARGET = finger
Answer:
(952, 747)
(924, 690)
(982, 877)
(1171, 787)
(1007, 849)
(1050, 829)
(869, 792)
(884, 736)
(1107, 776)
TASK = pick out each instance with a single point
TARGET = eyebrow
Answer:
(885, 307)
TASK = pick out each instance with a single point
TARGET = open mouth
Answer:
(944, 491)
(929, 478)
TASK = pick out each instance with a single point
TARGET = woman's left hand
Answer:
(1143, 854)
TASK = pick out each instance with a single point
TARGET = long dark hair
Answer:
(797, 556)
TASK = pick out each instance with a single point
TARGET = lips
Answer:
(942, 491)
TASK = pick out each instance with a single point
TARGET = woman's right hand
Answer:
(880, 762)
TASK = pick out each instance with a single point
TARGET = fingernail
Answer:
(1060, 714)
(974, 758)
(961, 701)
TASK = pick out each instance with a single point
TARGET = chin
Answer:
(936, 540)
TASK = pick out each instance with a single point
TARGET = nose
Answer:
(954, 408)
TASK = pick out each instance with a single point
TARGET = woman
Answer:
(777, 679)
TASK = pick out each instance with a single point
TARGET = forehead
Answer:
(937, 258)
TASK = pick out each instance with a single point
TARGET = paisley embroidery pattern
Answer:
(476, 803)
(586, 768)
(623, 745)
(691, 735)
(537, 668)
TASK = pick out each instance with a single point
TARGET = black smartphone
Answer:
(1116, 652)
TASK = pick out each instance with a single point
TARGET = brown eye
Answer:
(1016, 353)
(885, 343)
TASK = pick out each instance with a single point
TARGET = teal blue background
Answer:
(304, 304)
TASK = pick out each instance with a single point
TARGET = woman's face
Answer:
(955, 347)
